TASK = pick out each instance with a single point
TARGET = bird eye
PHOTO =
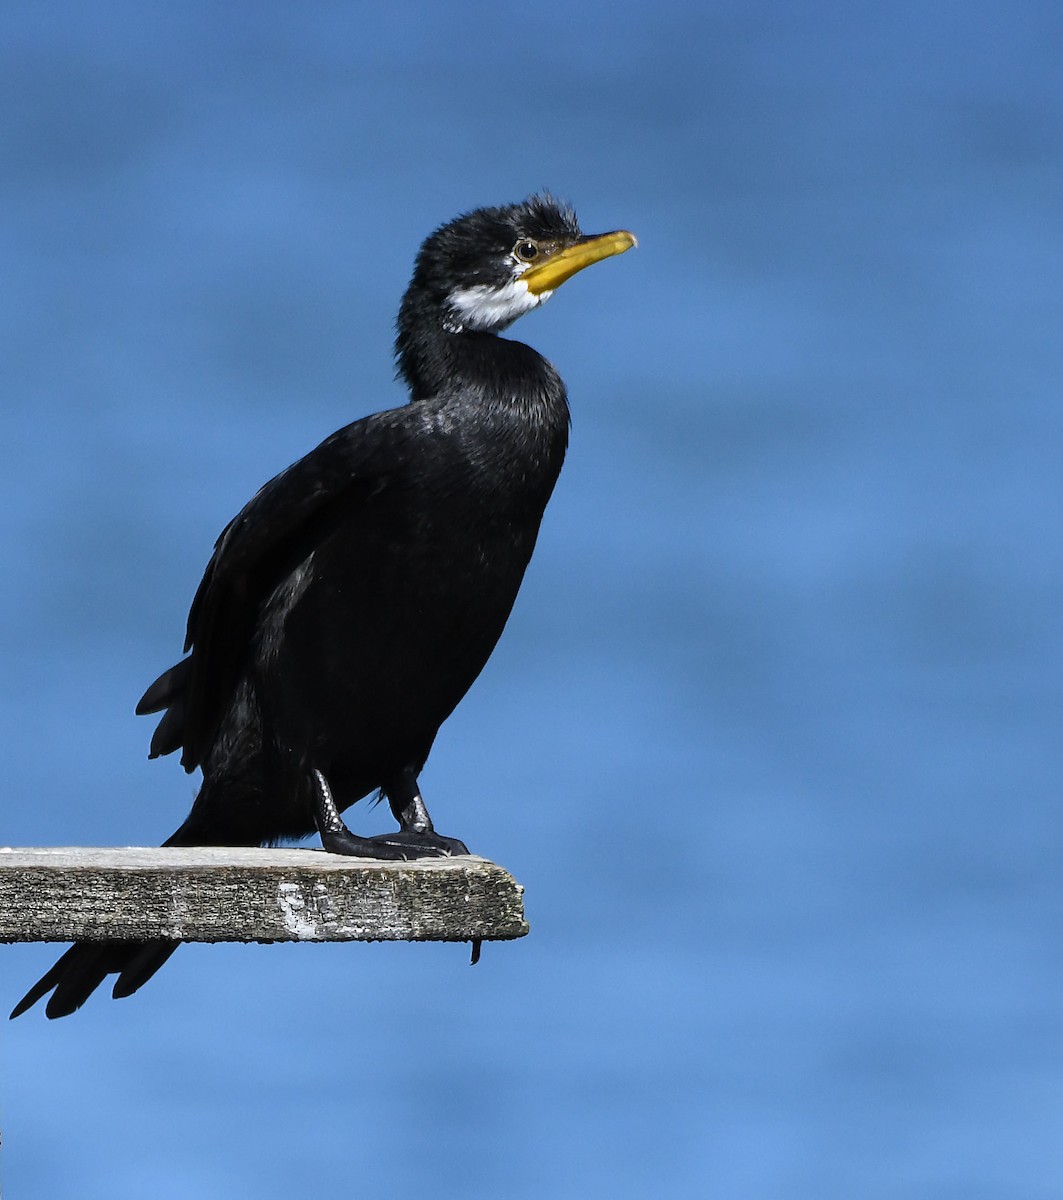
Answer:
(526, 251)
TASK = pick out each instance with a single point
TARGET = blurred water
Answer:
(772, 739)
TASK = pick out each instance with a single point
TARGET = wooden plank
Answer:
(226, 894)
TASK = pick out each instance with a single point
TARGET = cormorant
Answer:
(351, 604)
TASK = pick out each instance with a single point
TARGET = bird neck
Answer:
(435, 358)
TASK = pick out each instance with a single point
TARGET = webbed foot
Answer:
(421, 845)
(416, 838)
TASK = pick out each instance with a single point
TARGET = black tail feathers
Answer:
(86, 965)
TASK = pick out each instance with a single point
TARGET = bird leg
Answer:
(336, 838)
(416, 838)
(416, 832)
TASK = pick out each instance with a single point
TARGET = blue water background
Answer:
(773, 738)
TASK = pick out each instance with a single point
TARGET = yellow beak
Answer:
(552, 273)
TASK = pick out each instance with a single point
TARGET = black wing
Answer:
(279, 528)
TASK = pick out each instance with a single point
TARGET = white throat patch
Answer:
(485, 308)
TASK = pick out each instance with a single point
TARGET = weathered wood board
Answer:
(225, 894)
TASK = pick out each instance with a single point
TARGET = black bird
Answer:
(352, 603)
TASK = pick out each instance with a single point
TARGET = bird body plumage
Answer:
(350, 636)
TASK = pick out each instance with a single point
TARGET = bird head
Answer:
(486, 268)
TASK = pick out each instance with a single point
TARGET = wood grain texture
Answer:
(225, 894)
